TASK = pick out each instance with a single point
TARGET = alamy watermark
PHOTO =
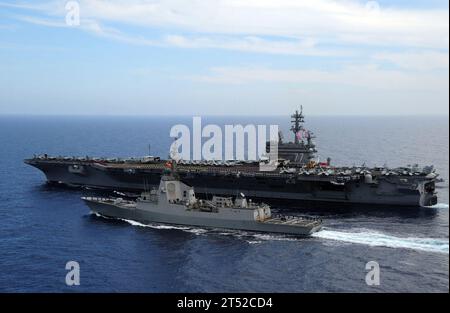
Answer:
(73, 274)
(72, 13)
(239, 143)
(373, 276)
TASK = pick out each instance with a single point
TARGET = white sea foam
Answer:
(274, 237)
(377, 239)
(196, 231)
(253, 242)
(364, 237)
(199, 231)
(102, 216)
(154, 226)
(441, 206)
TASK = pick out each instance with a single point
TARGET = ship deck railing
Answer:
(110, 200)
(293, 220)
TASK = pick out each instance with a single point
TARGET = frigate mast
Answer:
(297, 120)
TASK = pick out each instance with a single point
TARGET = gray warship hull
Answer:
(400, 190)
(197, 219)
(304, 180)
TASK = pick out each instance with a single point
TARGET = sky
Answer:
(224, 57)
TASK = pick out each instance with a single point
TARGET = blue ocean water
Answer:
(43, 227)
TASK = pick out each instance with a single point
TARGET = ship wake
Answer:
(440, 206)
(256, 237)
(363, 237)
(196, 231)
(377, 239)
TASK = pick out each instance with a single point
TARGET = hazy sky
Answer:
(224, 57)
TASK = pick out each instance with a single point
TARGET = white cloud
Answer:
(93, 27)
(415, 41)
(422, 61)
(315, 28)
(245, 44)
(254, 44)
(115, 34)
(26, 6)
(367, 76)
(42, 21)
(325, 20)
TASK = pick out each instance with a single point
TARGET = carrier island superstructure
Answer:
(297, 177)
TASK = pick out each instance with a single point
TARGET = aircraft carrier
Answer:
(298, 177)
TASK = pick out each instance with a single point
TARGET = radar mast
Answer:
(297, 120)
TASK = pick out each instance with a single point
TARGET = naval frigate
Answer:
(298, 177)
(174, 202)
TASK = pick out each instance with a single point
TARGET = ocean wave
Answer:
(196, 231)
(377, 239)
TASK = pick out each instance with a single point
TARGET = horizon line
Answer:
(446, 114)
